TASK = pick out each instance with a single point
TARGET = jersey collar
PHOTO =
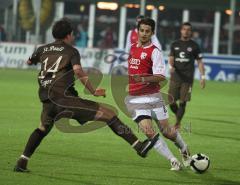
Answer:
(145, 47)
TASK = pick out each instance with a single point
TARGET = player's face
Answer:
(186, 32)
(145, 32)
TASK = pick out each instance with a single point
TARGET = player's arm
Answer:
(171, 64)
(83, 77)
(202, 72)
(171, 60)
(128, 42)
(198, 57)
(149, 79)
(34, 59)
(158, 69)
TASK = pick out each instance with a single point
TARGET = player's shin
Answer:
(180, 112)
(126, 133)
(179, 142)
(174, 108)
(162, 148)
(122, 130)
(33, 142)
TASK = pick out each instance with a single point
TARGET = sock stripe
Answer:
(25, 157)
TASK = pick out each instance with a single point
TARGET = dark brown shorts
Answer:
(75, 108)
(180, 90)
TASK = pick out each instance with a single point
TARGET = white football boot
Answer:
(175, 165)
(186, 157)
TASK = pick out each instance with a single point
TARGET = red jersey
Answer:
(144, 61)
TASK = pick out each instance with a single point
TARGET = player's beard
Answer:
(185, 37)
(144, 42)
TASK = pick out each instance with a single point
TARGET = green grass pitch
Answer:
(100, 157)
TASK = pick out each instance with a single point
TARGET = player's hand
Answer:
(100, 92)
(202, 83)
(29, 62)
(137, 78)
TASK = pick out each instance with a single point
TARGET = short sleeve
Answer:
(75, 59)
(35, 58)
(158, 66)
(128, 42)
(156, 42)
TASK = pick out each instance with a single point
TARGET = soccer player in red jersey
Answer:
(146, 70)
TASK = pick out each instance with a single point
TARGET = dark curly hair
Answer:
(147, 21)
(62, 28)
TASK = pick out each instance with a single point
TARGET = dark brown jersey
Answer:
(56, 77)
(185, 53)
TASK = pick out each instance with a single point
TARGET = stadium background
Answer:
(211, 124)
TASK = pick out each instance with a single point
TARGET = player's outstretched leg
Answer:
(173, 134)
(33, 142)
(122, 130)
(145, 124)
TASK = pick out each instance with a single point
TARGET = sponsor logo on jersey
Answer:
(143, 55)
(134, 63)
(189, 49)
(182, 57)
(182, 54)
(182, 60)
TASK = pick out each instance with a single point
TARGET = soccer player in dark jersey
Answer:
(59, 63)
(182, 57)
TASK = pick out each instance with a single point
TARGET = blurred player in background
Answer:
(146, 69)
(59, 62)
(182, 57)
(132, 37)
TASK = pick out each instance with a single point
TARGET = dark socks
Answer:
(181, 111)
(174, 108)
(33, 142)
(122, 130)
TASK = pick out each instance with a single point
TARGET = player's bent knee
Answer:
(45, 129)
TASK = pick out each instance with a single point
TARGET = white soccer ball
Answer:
(200, 163)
